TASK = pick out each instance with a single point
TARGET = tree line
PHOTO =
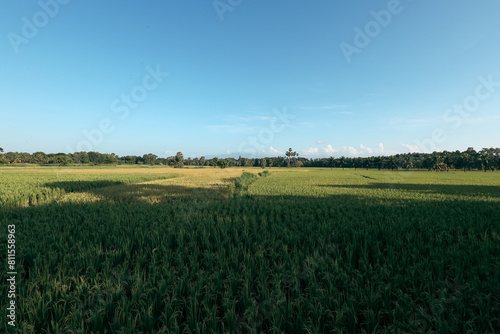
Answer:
(487, 159)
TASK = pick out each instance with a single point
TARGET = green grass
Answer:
(305, 250)
(29, 186)
(242, 183)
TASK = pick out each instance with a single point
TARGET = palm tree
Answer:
(179, 159)
(466, 157)
(392, 162)
(485, 160)
(342, 162)
(436, 161)
(290, 154)
(331, 162)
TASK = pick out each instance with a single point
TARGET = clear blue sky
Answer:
(350, 85)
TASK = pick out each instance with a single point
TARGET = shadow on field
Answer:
(446, 189)
(141, 192)
(256, 263)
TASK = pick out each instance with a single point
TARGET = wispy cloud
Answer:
(473, 38)
(323, 107)
(231, 129)
(305, 125)
(274, 151)
(414, 122)
(412, 148)
(247, 118)
(310, 151)
(351, 151)
(245, 123)
(482, 120)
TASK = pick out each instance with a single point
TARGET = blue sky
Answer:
(249, 77)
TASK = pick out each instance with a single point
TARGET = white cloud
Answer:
(310, 151)
(274, 151)
(412, 148)
(367, 149)
(320, 142)
(361, 151)
(329, 149)
(348, 151)
(380, 149)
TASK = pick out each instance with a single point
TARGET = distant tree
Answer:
(11, 157)
(331, 162)
(149, 158)
(3, 159)
(95, 157)
(486, 156)
(80, 157)
(428, 163)
(438, 163)
(40, 158)
(393, 163)
(366, 163)
(290, 154)
(263, 163)
(377, 161)
(248, 162)
(342, 162)
(179, 160)
(109, 158)
(202, 161)
(222, 163)
(467, 160)
(62, 160)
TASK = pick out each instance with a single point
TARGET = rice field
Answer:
(203, 250)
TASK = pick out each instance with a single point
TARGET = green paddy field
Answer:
(203, 250)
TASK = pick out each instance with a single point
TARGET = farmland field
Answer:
(164, 250)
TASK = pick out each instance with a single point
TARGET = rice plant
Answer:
(305, 250)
